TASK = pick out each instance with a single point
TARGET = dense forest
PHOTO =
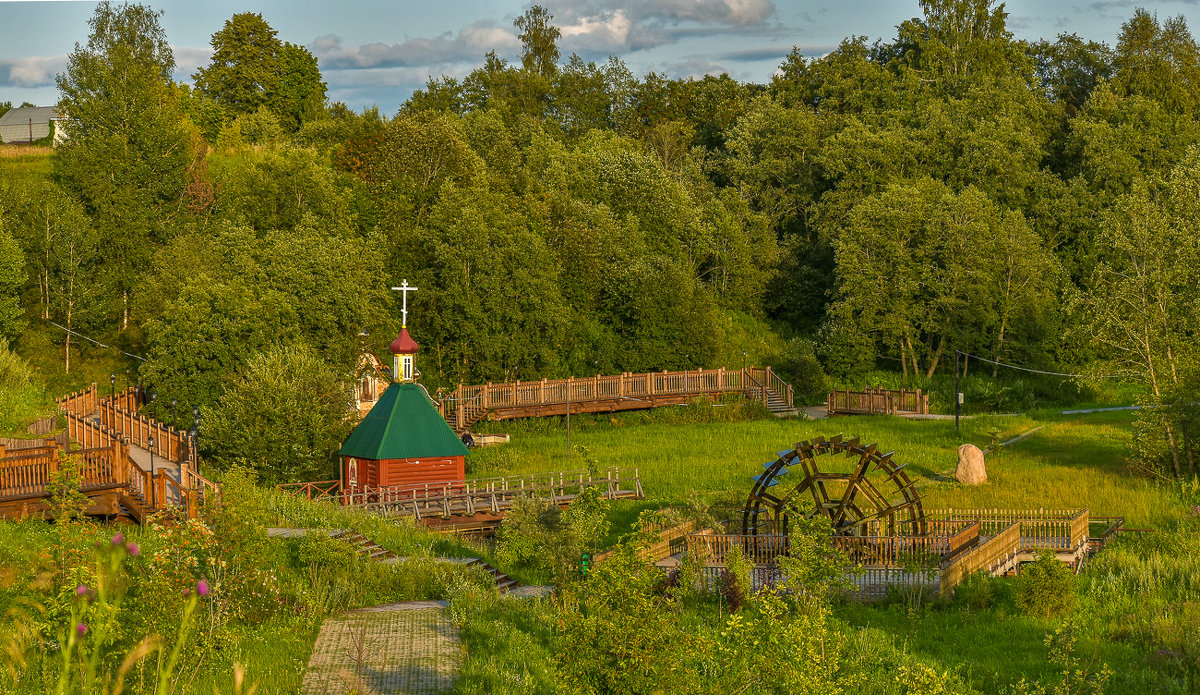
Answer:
(891, 203)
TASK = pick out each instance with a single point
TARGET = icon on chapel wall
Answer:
(353, 464)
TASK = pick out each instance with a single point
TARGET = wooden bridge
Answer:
(959, 543)
(121, 473)
(877, 402)
(472, 505)
(467, 405)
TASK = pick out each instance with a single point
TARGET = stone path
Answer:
(410, 648)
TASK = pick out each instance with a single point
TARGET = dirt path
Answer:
(409, 648)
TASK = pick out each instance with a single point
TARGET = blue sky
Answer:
(378, 51)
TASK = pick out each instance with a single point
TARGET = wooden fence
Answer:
(670, 539)
(1051, 529)
(82, 402)
(877, 402)
(489, 496)
(468, 404)
(961, 541)
(169, 443)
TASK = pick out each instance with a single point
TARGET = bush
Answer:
(977, 592)
(803, 371)
(1046, 587)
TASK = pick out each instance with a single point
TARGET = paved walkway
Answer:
(409, 648)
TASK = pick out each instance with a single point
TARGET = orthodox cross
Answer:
(404, 287)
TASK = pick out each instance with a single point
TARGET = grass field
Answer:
(1075, 461)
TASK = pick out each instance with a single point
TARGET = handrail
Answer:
(204, 489)
(877, 402)
(461, 405)
(83, 402)
(169, 443)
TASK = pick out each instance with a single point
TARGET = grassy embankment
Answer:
(269, 596)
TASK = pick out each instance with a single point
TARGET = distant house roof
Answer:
(404, 424)
(15, 125)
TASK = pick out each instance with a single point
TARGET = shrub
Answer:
(736, 584)
(803, 371)
(976, 592)
(1046, 587)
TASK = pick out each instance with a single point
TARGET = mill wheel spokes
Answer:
(865, 494)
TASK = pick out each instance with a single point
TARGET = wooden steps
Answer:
(369, 550)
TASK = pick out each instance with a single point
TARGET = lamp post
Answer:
(112, 386)
(958, 399)
(153, 487)
(196, 434)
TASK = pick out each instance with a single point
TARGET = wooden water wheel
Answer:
(865, 494)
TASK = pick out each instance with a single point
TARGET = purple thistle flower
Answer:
(202, 587)
(118, 539)
(81, 629)
(132, 548)
(81, 590)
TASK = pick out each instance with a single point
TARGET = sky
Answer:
(376, 52)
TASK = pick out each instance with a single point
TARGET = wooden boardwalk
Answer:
(877, 402)
(472, 505)
(960, 542)
(112, 445)
(467, 405)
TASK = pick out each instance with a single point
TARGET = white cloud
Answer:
(34, 71)
(468, 45)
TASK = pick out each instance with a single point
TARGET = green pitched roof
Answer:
(404, 424)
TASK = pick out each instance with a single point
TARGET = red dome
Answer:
(404, 344)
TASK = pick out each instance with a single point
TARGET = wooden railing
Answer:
(30, 472)
(466, 498)
(82, 402)
(131, 399)
(905, 551)
(169, 443)
(990, 556)
(762, 549)
(464, 403)
(1051, 529)
(88, 434)
(202, 489)
(669, 539)
(877, 402)
(329, 490)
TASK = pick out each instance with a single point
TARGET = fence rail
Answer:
(169, 443)
(961, 541)
(877, 402)
(493, 496)
(465, 405)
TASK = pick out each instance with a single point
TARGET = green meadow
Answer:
(1071, 461)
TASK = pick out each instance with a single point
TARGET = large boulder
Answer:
(970, 469)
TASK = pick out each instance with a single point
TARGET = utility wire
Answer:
(97, 342)
(1045, 373)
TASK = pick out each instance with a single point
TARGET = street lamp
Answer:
(112, 384)
(196, 433)
(153, 487)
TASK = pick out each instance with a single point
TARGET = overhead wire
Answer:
(97, 342)
(1043, 372)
